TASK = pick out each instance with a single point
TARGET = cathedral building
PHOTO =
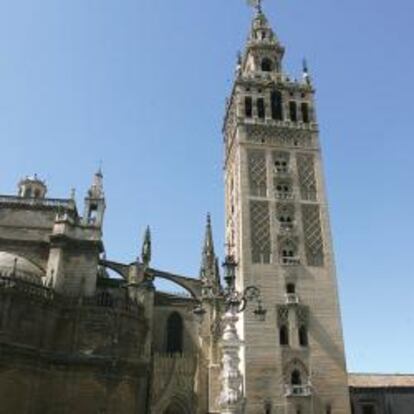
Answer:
(73, 339)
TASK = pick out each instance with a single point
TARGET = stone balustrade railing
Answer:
(45, 202)
(298, 390)
(103, 299)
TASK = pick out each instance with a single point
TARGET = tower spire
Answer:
(209, 268)
(146, 248)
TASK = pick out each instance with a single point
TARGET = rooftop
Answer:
(380, 380)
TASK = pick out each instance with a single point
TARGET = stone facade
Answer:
(75, 340)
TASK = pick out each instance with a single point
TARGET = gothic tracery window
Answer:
(174, 334)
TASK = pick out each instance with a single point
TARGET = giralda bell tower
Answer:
(277, 227)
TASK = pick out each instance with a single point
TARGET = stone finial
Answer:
(305, 72)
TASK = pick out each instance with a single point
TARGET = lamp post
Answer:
(231, 398)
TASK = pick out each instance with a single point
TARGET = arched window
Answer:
(296, 378)
(281, 165)
(289, 253)
(175, 334)
(283, 335)
(248, 107)
(260, 108)
(288, 249)
(276, 105)
(303, 336)
(305, 112)
(293, 111)
(290, 288)
(266, 65)
(283, 190)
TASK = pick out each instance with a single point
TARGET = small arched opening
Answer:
(284, 335)
(290, 288)
(266, 65)
(303, 336)
(276, 104)
(296, 378)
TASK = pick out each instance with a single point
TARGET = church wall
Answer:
(65, 356)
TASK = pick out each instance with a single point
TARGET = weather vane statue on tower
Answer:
(257, 4)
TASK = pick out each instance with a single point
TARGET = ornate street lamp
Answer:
(232, 396)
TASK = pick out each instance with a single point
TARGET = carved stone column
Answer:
(231, 397)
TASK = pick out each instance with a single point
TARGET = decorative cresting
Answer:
(257, 173)
(260, 231)
(313, 234)
(307, 178)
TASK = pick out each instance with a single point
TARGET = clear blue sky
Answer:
(141, 85)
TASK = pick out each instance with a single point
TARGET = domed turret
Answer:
(32, 187)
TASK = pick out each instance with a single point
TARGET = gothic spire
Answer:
(208, 239)
(209, 269)
(146, 247)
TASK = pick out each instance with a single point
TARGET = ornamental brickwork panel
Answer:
(307, 177)
(313, 234)
(257, 173)
(260, 231)
(284, 137)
